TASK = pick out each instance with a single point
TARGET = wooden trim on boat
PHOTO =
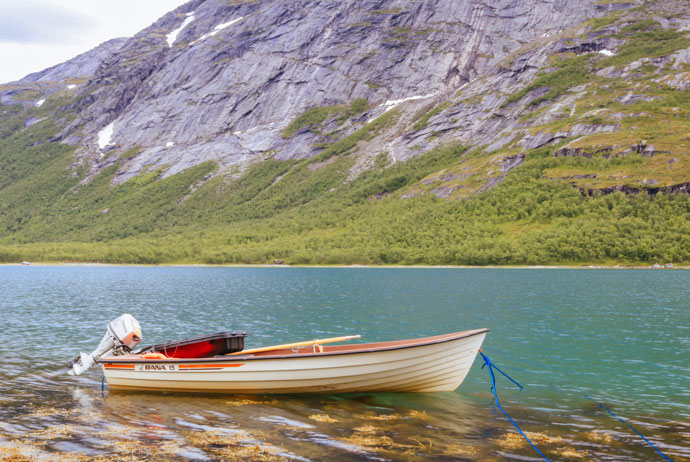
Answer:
(328, 351)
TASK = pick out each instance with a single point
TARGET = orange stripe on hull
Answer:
(207, 366)
(119, 366)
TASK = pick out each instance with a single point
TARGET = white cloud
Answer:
(74, 26)
(40, 21)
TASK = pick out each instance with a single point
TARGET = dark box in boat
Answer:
(202, 346)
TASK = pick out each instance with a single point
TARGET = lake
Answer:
(572, 337)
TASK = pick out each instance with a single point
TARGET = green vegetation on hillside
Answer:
(644, 39)
(365, 133)
(422, 120)
(568, 73)
(317, 115)
(303, 213)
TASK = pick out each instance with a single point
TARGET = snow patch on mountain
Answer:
(105, 136)
(172, 36)
(391, 104)
(217, 29)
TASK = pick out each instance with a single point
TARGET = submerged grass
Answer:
(240, 446)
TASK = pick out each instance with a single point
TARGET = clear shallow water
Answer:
(618, 336)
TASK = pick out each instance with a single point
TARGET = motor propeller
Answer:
(122, 336)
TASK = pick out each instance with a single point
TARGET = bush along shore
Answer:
(315, 218)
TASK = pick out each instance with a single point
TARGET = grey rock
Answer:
(682, 188)
(610, 73)
(508, 164)
(678, 81)
(538, 140)
(680, 57)
(579, 152)
(584, 47)
(31, 121)
(649, 149)
(225, 95)
(411, 194)
(444, 192)
(570, 152)
(586, 129)
(631, 98)
(228, 96)
(512, 162)
(583, 177)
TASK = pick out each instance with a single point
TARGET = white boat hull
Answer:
(432, 364)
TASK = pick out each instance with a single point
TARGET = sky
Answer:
(36, 34)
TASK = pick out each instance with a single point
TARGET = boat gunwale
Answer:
(366, 348)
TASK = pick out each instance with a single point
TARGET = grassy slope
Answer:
(305, 212)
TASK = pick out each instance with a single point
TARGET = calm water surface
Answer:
(571, 337)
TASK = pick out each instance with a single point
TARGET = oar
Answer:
(296, 345)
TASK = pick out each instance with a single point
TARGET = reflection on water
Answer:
(618, 336)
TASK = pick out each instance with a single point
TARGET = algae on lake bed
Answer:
(158, 428)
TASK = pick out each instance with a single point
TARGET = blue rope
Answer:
(487, 362)
(506, 375)
(492, 366)
(611, 413)
(103, 386)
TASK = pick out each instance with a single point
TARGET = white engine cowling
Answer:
(122, 336)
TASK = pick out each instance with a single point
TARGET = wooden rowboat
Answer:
(428, 364)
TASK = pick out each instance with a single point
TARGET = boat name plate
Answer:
(156, 367)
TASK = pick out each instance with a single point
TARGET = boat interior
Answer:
(305, 350)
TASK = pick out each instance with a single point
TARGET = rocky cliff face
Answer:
(221, 81)
(217, 80)
(64, 78)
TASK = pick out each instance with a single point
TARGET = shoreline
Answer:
(354, 266)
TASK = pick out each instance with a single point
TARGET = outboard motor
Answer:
(123, 334)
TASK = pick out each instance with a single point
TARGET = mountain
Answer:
(375, 131)
(83, 66)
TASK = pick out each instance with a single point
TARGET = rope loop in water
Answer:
(612, 414)
(487, 362)
(492, 366)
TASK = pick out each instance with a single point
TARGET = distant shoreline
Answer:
(209, 265)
